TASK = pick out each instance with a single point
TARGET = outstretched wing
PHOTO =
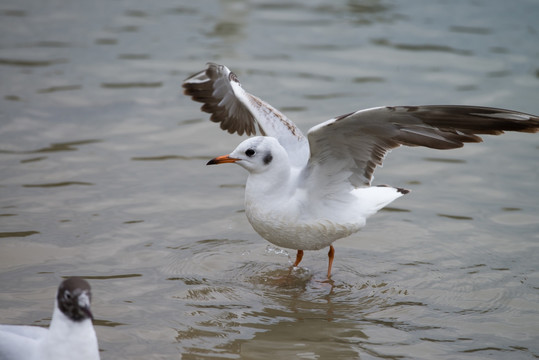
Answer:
(240, 112)
(350, 147)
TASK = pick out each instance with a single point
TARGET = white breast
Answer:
(292, 233)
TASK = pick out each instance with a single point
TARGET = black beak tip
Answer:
(90, 315)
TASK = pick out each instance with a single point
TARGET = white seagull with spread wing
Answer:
(304, 193)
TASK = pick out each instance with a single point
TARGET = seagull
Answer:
(70, 335)
(305, 192)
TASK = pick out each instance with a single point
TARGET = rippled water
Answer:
(102, 175)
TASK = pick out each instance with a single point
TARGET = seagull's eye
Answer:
(67, 295)
(249, 152)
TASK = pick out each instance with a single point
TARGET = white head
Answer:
(257, 155)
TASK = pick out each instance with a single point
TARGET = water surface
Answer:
(102, 175)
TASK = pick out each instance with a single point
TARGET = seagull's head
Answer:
(73, 299)
(257, 154)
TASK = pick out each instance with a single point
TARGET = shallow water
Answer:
(102, 175)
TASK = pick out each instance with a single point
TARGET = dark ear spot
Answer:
(267, 158)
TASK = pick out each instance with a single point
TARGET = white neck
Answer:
(68, 339)
(269, 184)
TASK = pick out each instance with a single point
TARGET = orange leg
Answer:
(331, 255)
(299, 256)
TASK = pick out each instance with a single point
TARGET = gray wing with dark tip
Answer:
(240, 112)
(353, 145)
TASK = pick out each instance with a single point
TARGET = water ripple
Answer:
(18, 233)
(108, 277)
(54, 147)
(59, 88)
(168, 157)
(421, 47)
(58, 184)
(129, 85)
(455, 217)
(31, 63)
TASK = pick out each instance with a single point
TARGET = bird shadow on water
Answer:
(270, 278)
(305, 286)
(293, 312)
(257, 303)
